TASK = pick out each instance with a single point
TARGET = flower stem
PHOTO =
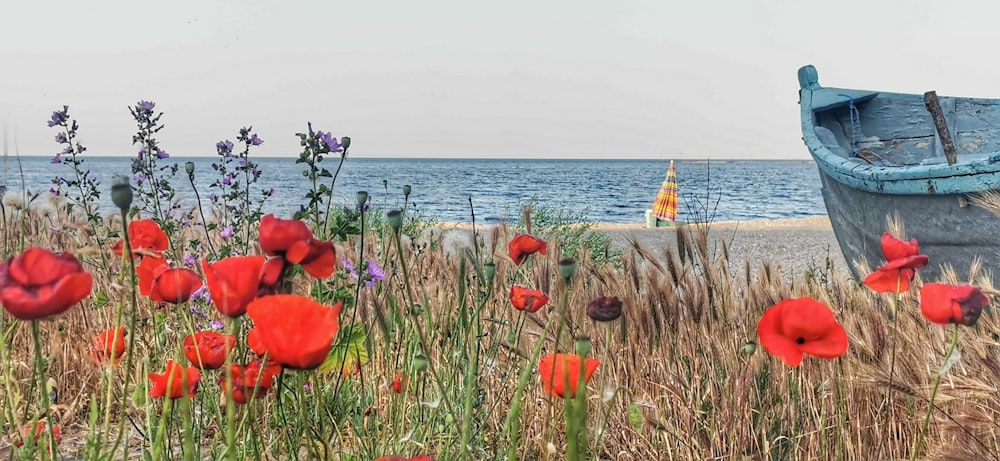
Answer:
(930, 409)
(40, 371)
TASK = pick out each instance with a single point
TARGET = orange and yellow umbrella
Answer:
(665, 206)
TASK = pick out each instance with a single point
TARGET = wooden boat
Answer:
(886, 154)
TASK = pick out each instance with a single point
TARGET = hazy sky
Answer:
(577, 79)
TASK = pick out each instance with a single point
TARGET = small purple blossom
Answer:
(217, 325)
(162, 154)
(189, 260)
(227, 180)
(227, 232)
(224, 147)
(212, 196)
(59, 117)
(373, 276)
(254, 140)
(146, 105)
(56, 159)
(60, 138)
(331, 142)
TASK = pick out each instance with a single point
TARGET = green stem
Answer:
(130, 343)
(917, 445)
(40, 371)
(512, 425)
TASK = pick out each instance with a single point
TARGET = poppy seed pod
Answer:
(121, 192)
(395, 219)
(604, 309)
(345, 142)
(420, 362)
(406, 190)
(362, 197)
(491, 270)
(582, 346)
(567, 267)
(189, 168)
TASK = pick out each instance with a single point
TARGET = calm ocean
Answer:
(611, 191)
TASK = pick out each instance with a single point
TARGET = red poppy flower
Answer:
(173, 286)
(208, 348)
(902, 261)
(316, 257)
(561, 370)
(292, 240)
(278, 235)
(523, 245)
(254, 343)
(176, 381)
(38, 283)
(524, 299)
(944, 304)
(233, 282)
(801, 326)
(399, 384)
(296, 331)
(252, 380)
(109, 346)
(41, 428)
(146, 237)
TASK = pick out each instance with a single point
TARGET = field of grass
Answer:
(428, 357)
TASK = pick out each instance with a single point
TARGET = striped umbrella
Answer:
(665, 206)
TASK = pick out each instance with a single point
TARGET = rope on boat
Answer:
(855, 123)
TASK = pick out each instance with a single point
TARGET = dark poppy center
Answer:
(800, 340)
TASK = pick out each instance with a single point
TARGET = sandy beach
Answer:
(793, 245)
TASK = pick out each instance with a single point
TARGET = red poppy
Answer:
(253, 342)
(174, 286)
(561, 370)
(944, 304)
(272, 276)
(146, 238)
(292, 240)
(902, 261)
(252, 380)
(800, 326)
(176, 381)
(233, 282)
(208, 348)
(524, 299)
(523, 245)
(296, 331)
(37, 284)
(399, 384)
(41, 428)
(109, 346)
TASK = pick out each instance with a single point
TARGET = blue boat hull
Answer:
(879, 156)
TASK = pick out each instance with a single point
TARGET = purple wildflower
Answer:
(227, 232)
(60, 138)
(59, 117)
(56, 159)
(227, 180)
(375, 274)
(254, 140)
(224, 147)
(146, 105)
(217, 325)
(162, 154)
(331, 142)
(189, 260)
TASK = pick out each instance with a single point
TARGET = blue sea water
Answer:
(610, 191)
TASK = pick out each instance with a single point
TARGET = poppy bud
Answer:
(419, 362)
(491, 270)
(406, 190)
(604, 309)
(749, 348)
(567, 267)
(189, 167)
(121, 192)
(362, 197)
(395, 219)
(345, 142)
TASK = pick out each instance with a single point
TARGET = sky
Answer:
(654, 79)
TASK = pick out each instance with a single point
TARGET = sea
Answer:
(606, 191)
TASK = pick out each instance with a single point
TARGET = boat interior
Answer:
(886, 129)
